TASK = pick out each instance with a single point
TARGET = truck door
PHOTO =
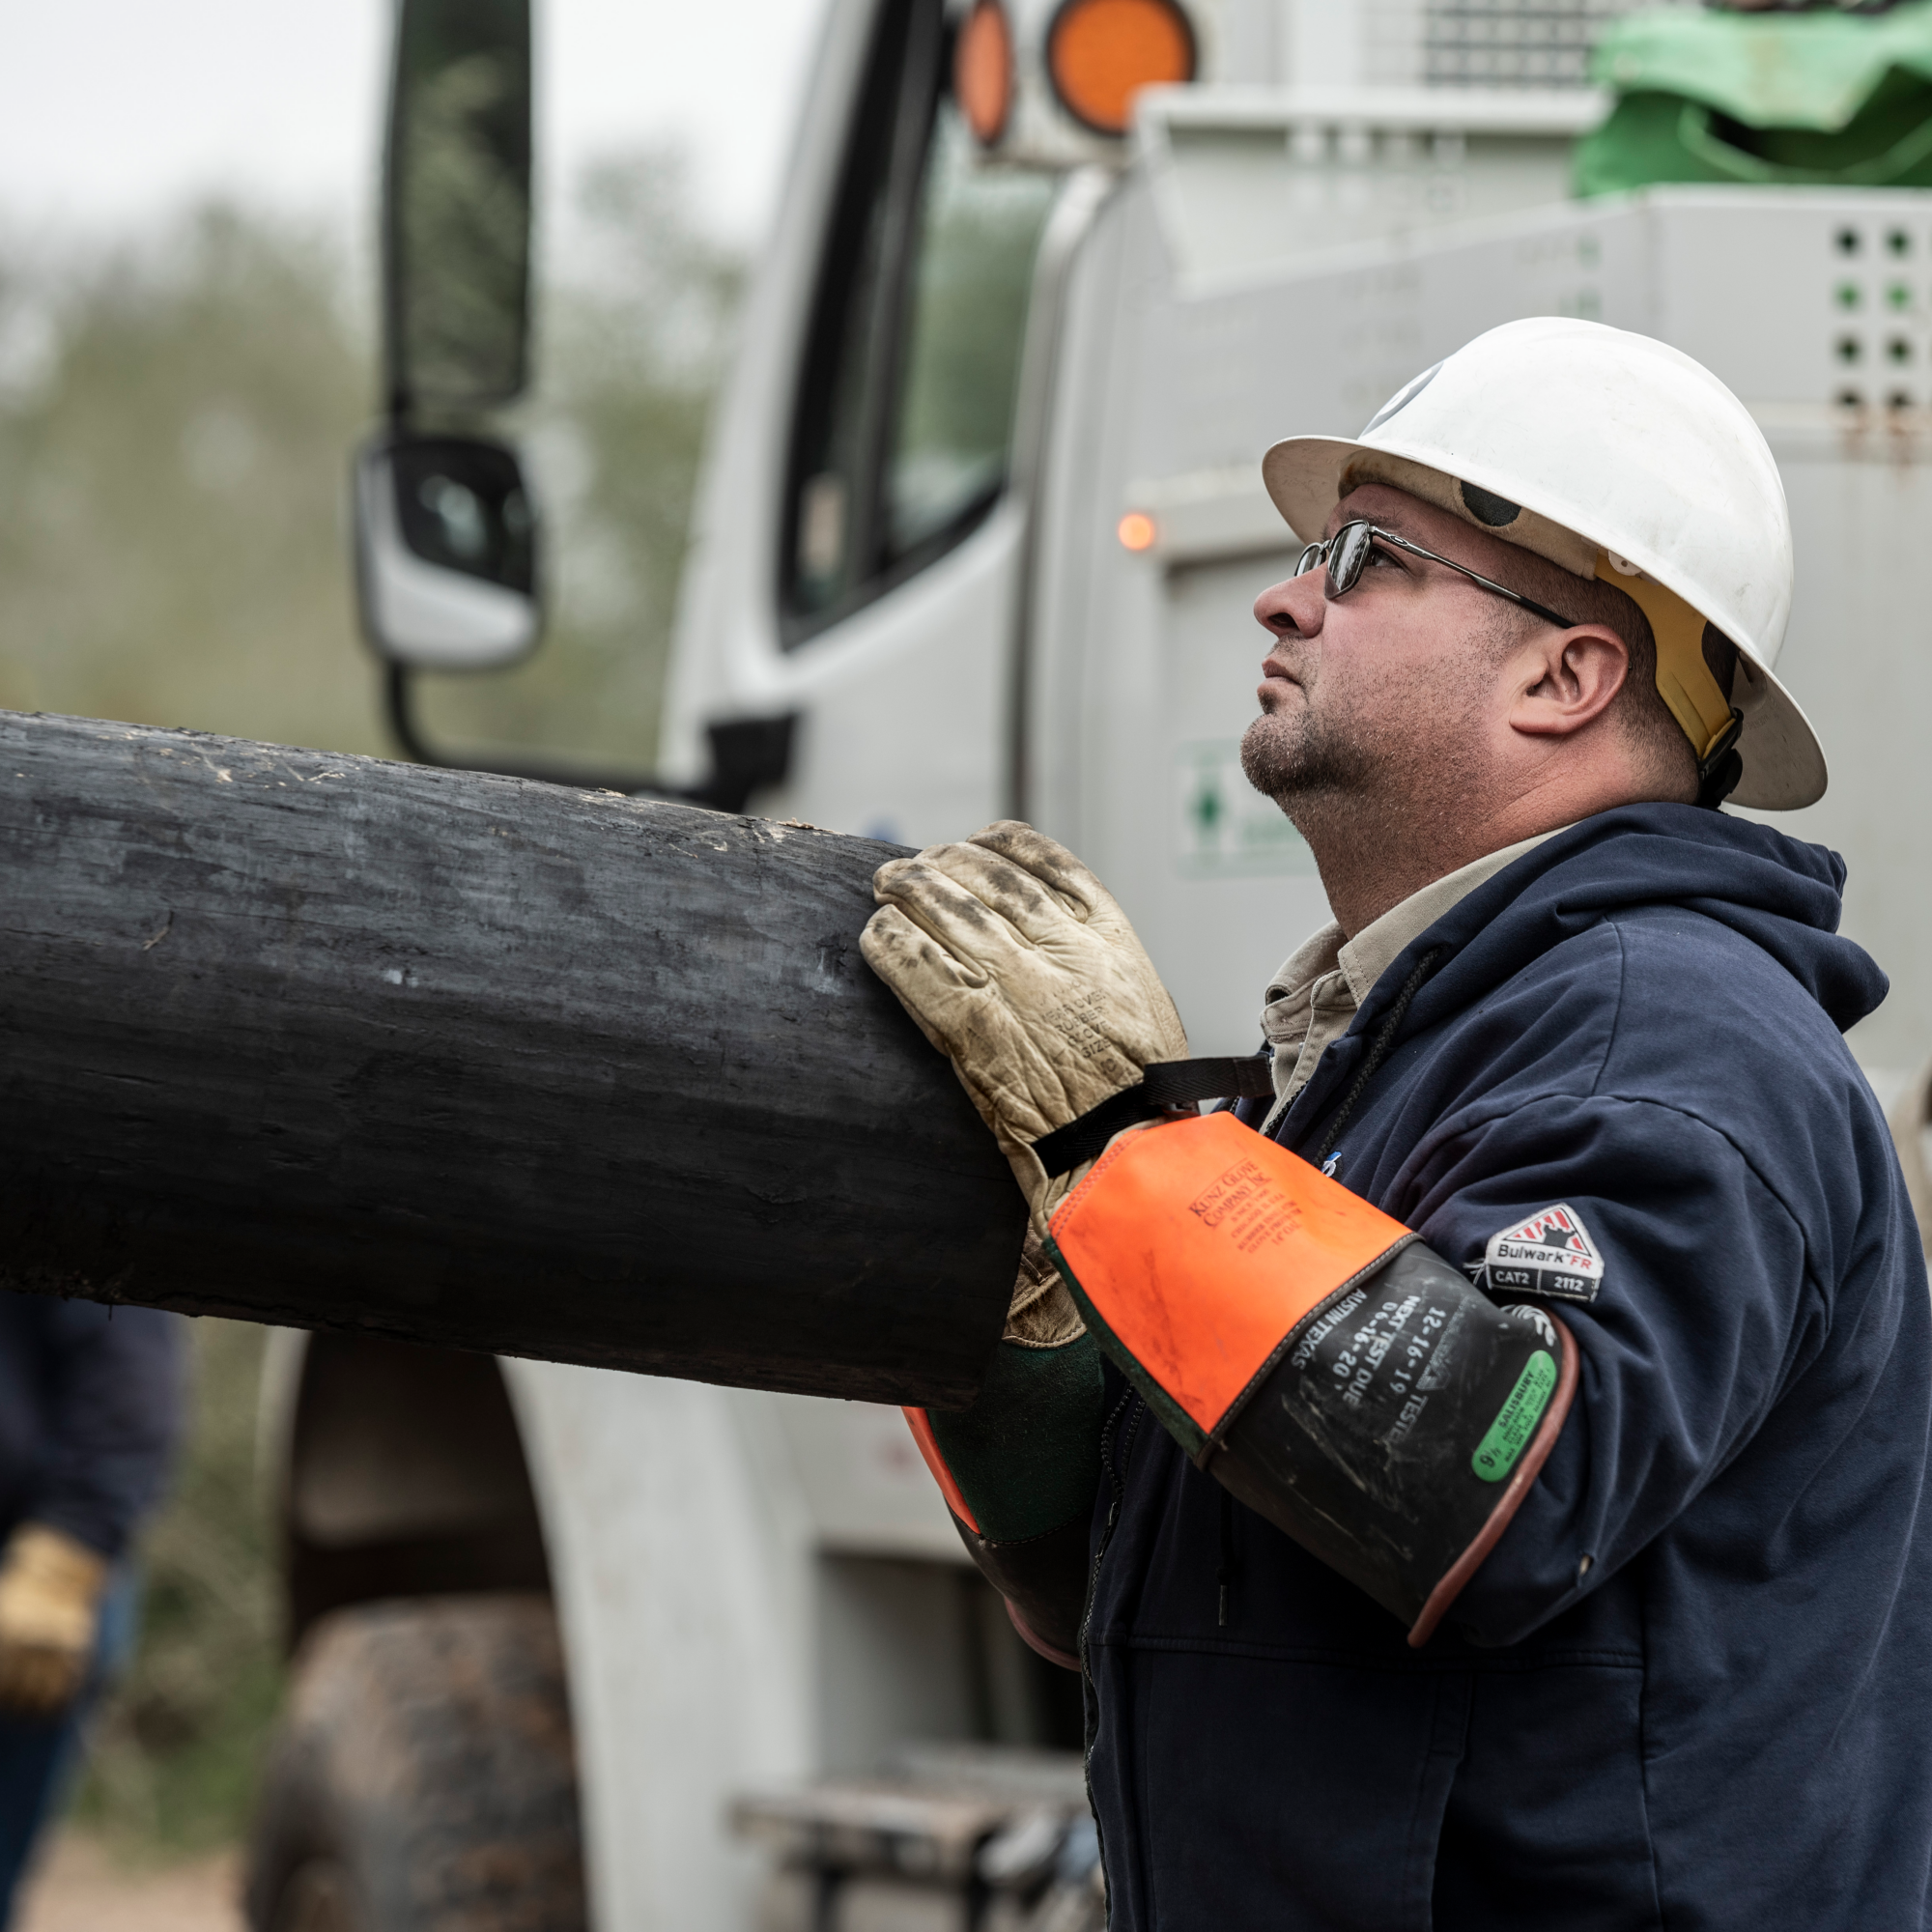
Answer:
(858, 549)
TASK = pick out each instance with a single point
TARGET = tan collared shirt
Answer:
(1313, 999)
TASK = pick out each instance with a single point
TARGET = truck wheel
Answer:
(423, 1779)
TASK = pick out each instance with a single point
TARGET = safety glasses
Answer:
(1347, 555)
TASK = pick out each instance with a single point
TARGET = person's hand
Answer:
(1018, 965)
(51, 1588)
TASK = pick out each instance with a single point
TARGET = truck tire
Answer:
(423, 1779)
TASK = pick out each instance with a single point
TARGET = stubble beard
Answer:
(1303, 762)
(1378, 785)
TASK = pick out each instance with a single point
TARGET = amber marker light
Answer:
(1101, 53)
(1136, 530)
(982, 70)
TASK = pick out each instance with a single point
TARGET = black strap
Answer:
(1165, 1086)
(1721, 772)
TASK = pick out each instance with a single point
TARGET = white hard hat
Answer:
(1615, 456)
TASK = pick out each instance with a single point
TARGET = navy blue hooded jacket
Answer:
(90, 1411)
(1692, 1685)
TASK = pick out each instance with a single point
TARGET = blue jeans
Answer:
(39, 1758)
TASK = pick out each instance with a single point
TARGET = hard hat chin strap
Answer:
(1684, 680)
(1719, 771)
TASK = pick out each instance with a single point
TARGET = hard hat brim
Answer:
(1783, 762)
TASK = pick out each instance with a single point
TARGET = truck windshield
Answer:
(905, 407)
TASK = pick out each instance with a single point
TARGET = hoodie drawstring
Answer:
(1378, 1052)
(1226, 1574)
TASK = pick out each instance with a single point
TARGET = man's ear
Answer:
(1567, 680)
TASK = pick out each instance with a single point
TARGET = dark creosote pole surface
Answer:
(476, 1062)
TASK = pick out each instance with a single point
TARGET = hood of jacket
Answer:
(1782, 895)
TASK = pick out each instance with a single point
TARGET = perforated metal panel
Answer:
(1881, 308)
(1514, 43)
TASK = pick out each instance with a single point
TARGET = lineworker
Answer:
(90, 1412)
(1481, 1473)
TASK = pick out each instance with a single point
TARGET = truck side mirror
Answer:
(456, 206)
(446, 536)
(445, 553)
(446, 569)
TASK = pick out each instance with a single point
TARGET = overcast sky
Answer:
(111, 110)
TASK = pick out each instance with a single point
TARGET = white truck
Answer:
(980, 530)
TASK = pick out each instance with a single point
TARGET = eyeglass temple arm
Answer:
(1516, 597)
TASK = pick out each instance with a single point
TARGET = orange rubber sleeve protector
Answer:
(1200, 1245)
(921, 1425)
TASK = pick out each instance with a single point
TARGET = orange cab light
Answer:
(982, 70)
(1136, 530)
(1101, 53)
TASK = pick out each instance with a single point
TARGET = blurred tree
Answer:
(176, 418)
(171, 469)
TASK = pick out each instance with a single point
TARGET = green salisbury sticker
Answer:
(1516, 1421)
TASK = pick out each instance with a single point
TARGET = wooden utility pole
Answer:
(477, 1062)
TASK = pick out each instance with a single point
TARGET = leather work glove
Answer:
(1020, 967)
(51, 1589)
(1042, 1313)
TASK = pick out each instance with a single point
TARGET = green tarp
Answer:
(1769, 99)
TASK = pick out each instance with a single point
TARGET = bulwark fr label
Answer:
(1552, 1253)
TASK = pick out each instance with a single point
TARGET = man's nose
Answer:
(1294, 606)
